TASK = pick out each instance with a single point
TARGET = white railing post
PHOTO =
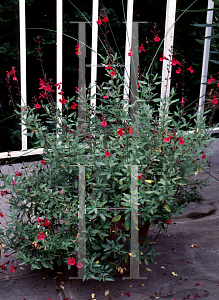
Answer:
(205, 61)
(95, 11)
(129, 19)
(23, 72)
(59, 13)
(168, 43)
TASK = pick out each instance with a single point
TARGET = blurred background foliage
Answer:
(41, 20)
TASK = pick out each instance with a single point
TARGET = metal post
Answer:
(168, 43)
(129, 19)
(59, 13)
(205, 61)
(23, 74)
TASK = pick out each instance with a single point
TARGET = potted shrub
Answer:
(44, 199)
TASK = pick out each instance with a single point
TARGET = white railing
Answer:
(168, 43)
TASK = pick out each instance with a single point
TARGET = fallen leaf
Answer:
(106, 292)
(59, 272)
(148, 269)
(162, 267)
(62, 287)
(197, 284)
(174, 274)
(92, 296)
(151, 243)
(193, 245)
(195, 296)
(142, 284)
(190, 262)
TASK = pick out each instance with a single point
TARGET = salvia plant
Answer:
(107, 140)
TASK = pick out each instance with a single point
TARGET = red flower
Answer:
(71, 261)
(12, 269)
(47, 223)
(109, 67)
(141, 48)
(104, 124)
(140, 176)
(39, 220)
(1, 214)
(74, 105)
(120, 131)
(37, 105)
(17, 174)
(175, 62)
(3, 266)
(179, 70)
(163, 57)
(127, 294)
(58, 85)
(168, 221)
(40, 236)
(181, 142)
(131, 130)
(77, 50)
(167, 139)
(190, 69)
(113, 73)
(183, 100)
(203, 156)
(43, 162)
(3, 193)
(211, 80)
(157, 39)
(63, 101)
(79, 264)
(105, 19)
(107, 153)
(130, 52)
(214, 101)
(99, 22)
(105, 97)
(15, 78)
(77, 89)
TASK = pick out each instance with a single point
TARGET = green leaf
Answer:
(96, 247)
(148, 269)
(44, 264)
(117, 218)
(167, 208)
(102, 217)
(127, 226)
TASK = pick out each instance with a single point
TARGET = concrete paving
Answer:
(188, 267)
